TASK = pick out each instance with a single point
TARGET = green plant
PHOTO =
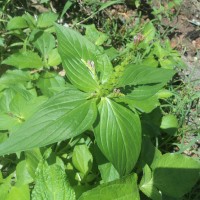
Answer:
(100, 123)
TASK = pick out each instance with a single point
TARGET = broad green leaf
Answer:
(44, 42)
(169, 124)
(94, 35)
(76, 53)
(48, 81)
(19, 110)
(58, 119)
(4, 190)
(23, 176)
(30, 20)
(140, 75)
(147, 187)
(46, 19)
(82, 159)
(8, 121)
(151, 123)
(112, 53)
(19, 193)
(51, 183)
(149, 154)
(11, 77)
(17, 23)
(3, 137)
(108, 172)
(175, 174)
(23, 60)
(144, 82)
(122, 189)
(53, 58)
(146, 105)
(33, 158)
(118, 135)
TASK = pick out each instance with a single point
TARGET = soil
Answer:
(187, 40)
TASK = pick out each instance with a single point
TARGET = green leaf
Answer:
(164, 94)
(82, 159)
(144, 81)
(105, 67)
(1, 42)
(123, 189)
(109, 3)
(23, 60)
(149, 154)
(8, 121)
(19, 110)
(121, 141)
(169, 124)
(44, 42)
(146, 105)
(46, 19)
(52, 183)
(23, 176)
(4, 189)
(17, 23)
(19, 193)
(94, 35)
(48, 81)
(149, 32)
(57, 119)
(53, 58)
(175, 174)
(140, 75)
(108, 172)
(33, 158)
(76, 53)
(68, 4)
(11, 77)
(147, 187)
(30, 20)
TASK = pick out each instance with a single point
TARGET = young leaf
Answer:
(82, 158)
(122, 189)
(52, 183)
(58, 119)
(23, 60)
(175, 174)
(118, 135)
